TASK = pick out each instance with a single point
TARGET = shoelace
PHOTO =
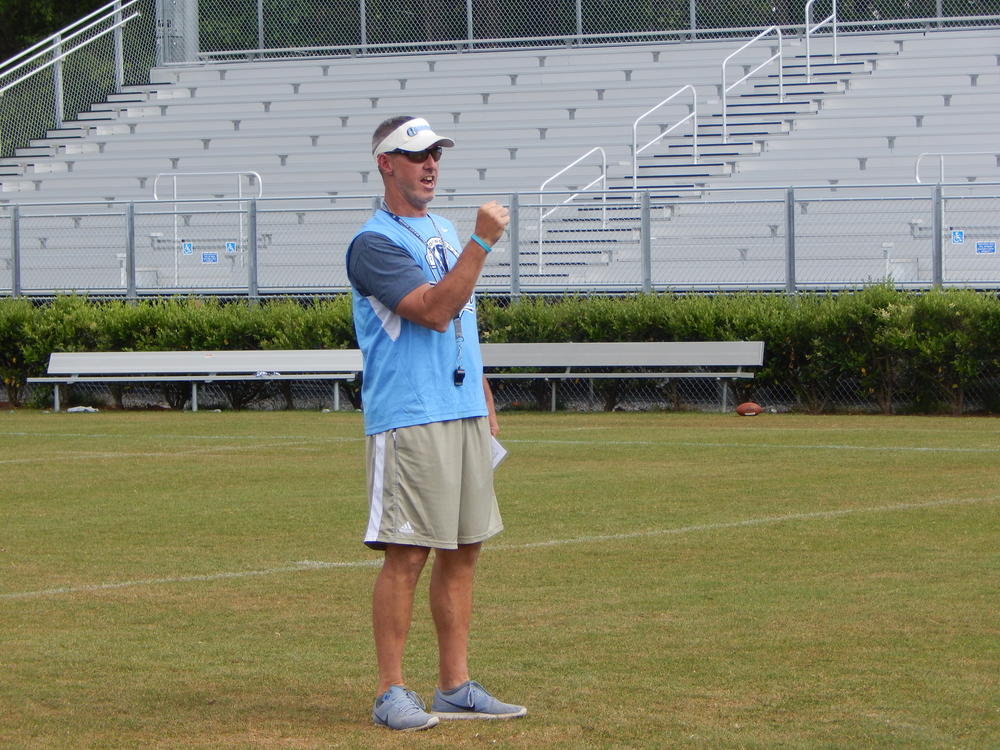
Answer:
(416, 706)
(408, 707)
(471, 697)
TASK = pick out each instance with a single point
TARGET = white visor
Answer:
(412, 135)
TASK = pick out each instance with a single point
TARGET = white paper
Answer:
(499, 452)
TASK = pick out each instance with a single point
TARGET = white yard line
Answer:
(776, 446)
(303, 565)
(55, 456)
(303, 440)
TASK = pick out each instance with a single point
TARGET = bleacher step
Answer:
(848, 66)
(685, 171)
(769, 109)
(88, 116)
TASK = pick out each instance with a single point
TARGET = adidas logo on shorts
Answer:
(406, 528)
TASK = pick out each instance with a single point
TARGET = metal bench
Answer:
(662, 360)
(66, 368)
(718, 360)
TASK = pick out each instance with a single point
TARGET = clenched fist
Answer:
(491, 221)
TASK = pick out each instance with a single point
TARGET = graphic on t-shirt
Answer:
(441, 256)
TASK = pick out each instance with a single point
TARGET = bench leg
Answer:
(554, 385)
(336, 395)
(55, 398)
(725, 395)
(194, 397)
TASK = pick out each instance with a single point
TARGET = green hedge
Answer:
(889, 346)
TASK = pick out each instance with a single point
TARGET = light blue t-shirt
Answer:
(409, 369)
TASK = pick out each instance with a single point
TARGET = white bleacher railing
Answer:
(12, 71)
(692, 116)
(602, 179)
(811, 29)
(939, 155)
(239, 183)
(175, 198)
(727, 88)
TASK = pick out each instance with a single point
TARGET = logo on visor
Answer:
(416, 129)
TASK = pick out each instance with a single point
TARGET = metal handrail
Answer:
(692, 115)
(60, 36)
(726, 89)
(940, 157)
(237, 175)
(603, 178)
(58, 46)
(810, 29)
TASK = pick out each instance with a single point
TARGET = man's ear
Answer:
(384, 163)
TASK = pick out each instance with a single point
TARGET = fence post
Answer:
(579, 21)
(57, 82)
(468, 22)
(260, 24)
(158, 42)
(15, 250)
(252, 290)
(790, 283)
(363, 12)
(119, 50)
(646, 240)
(515, 246)
(130, 290)
(937, 244)
(693, 17)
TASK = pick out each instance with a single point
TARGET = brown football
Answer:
(748, 409)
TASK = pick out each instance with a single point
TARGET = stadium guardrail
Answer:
(940, 155)
(778, 55)
(733, 238)
(20, 71)
(812, 28)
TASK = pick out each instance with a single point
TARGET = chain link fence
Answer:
(788, 239)
(297, 27)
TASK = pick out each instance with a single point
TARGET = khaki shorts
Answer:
(431, 485)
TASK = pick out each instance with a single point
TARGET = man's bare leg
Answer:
(451, 606)
(392, 609)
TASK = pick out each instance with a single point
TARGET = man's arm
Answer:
(491, 408)
(435, 306)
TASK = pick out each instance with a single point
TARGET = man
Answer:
(429, 418)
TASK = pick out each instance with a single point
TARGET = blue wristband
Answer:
(482, 244)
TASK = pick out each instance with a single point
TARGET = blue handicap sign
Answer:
(187, 248)
(986, 248)
(957, 236)
(209, 257)
(230, 248)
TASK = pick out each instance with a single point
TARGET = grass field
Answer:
(178, 580)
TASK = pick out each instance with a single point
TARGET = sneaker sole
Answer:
(459, 715)
(431, 722)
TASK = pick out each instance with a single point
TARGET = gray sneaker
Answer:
(470, 700)
(401, 709)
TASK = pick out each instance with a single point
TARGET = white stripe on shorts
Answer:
(375, 501)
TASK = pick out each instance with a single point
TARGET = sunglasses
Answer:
(419, 157)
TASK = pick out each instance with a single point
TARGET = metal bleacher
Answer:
(521, 115)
